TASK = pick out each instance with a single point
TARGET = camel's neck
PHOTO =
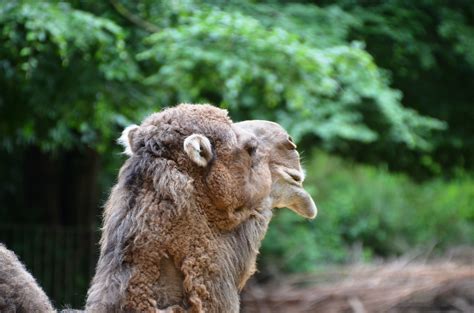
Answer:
(244, 243)
(236, 263)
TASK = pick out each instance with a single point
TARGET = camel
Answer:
(191, 179)
(191, 176)
(19, 291)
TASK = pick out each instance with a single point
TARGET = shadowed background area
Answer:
(378, 96)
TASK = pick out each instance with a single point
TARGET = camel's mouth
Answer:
(291, 194)
(292, 176)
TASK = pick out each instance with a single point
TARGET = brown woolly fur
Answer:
(19, 292)
(166, 213)
(184, 223)
(239, 247)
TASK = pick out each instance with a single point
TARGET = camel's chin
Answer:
(295, 198)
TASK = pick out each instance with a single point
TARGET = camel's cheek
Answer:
(225, 191)
(258, 186)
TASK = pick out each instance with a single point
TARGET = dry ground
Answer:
(395, 287)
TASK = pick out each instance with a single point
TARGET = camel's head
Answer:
(287, 174)
(227, 169)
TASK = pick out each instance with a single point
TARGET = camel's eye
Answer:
(251, 147)
(290, 144)
(155, 147)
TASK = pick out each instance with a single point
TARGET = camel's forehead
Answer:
(269, 132)
(276, 139)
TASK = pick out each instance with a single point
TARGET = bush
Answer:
(367, 212)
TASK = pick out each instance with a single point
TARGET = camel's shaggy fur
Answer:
(168, 210)
(287, 191)
(19, 292)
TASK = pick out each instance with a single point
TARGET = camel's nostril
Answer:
(292, 176)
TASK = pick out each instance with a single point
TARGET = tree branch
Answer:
(135, 19)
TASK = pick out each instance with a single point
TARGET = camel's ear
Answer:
(126, 139)
(199, 149)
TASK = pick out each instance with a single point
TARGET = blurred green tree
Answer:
(427, 47)
(71, 72)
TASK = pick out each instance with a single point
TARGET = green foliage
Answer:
(61, 70)
(322, 27)
(368, 209)
(427, 47)
(424, 46)
(234, 60)
(73, 76)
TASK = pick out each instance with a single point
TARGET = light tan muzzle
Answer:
(287, 174)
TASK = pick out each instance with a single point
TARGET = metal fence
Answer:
(62, 259)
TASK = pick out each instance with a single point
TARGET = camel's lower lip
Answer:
(307, 212)
(304, 205)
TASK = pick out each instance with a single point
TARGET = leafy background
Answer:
(378, 95)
